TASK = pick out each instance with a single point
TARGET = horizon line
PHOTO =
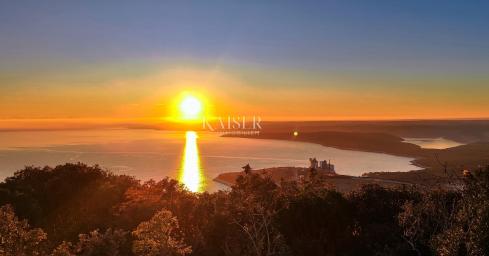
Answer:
(60, 124)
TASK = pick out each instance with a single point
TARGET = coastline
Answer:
(339, 182)
(431, 161)
(388, 144)
(416, 158)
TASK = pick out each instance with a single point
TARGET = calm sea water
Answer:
(436, 143)
(151, 154)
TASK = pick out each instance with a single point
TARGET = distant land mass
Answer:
(465, 131)
(386, 137)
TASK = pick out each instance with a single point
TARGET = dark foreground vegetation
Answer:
(76, 209)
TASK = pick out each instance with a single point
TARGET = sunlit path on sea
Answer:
(192, 158)
(191, 173)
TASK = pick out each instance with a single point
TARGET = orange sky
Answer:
(97, 64)
(273, 94)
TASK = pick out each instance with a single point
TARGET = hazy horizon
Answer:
(84, 124)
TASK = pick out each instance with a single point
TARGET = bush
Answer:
(16, 237)
(257, 217)
(160, 236)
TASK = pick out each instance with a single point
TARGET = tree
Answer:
(67, 200)
(253, 204)
(317, 223)
(16, 237)
(376, 211)
(109, 243)
(64, 249)
(160, 236)
(424, 220)
(469, 232)
(247, 169)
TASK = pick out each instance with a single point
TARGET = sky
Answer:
(281, 60)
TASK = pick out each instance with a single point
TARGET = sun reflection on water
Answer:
(191, 173)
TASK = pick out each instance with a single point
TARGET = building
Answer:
(314, 163)
(321, 165)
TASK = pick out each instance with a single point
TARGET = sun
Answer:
(190, 108)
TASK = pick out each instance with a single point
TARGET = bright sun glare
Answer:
(190, 108)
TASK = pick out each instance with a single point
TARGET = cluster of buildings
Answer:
(321, 165)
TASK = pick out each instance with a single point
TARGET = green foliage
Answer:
(468, 233)
(253, 204)
(426, 218)
(109, 243)
(256, 217)
(159, 236)
(66, 200)
(376, 211)
(16, 237)
(317, 224)
(64, 249)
